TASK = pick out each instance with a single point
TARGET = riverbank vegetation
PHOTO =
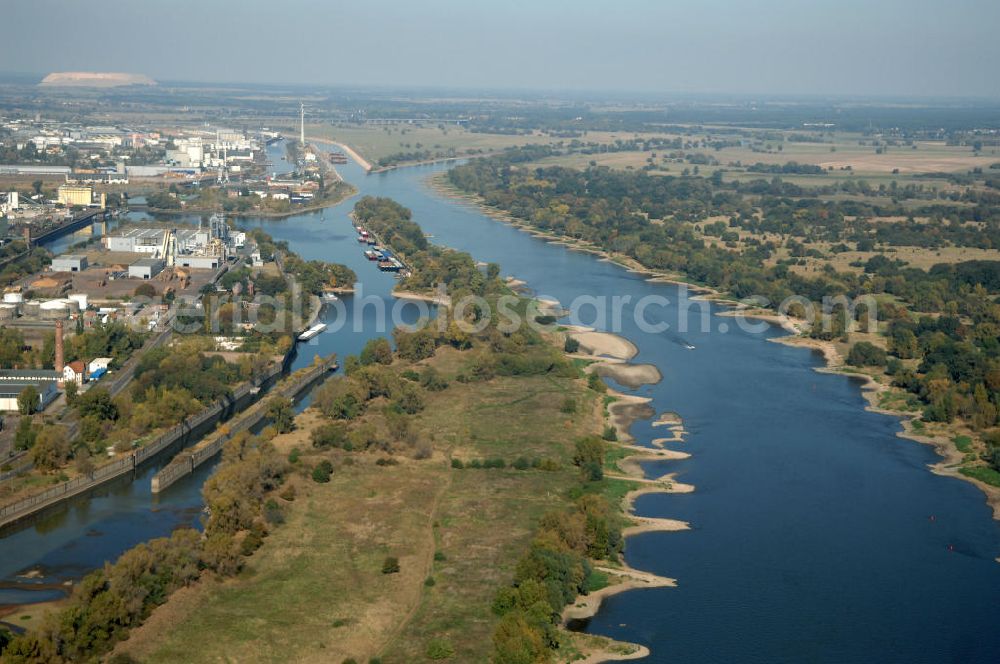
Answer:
(416, 510)
(111, 601)
(17, 261)
(937, 324)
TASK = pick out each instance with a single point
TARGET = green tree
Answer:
(281, 413)
(96, 402)
(417, 345)
(51, 448)
(866, 354)
(322, 472)
(376, 351)
(27, 400)
(517, 642)
(24, 435)
(145, 290)
(589, 450)
(83, 461)
(333, 434)
(71, 390)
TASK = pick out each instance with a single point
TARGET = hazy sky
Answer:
(865, 47)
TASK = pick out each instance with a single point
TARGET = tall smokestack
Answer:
(59, 352)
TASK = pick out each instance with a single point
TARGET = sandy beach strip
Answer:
(547, 307)
(442, 300)
(630, 375)
(667, 419)
(631, 464)
(643, 524)
(626, 409)
(678, 437)
(586, 606)
(605, 343)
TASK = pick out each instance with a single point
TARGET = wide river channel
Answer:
(817, 534)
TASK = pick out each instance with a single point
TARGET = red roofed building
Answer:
(75, 372)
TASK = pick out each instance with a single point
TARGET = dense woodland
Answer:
(942, 324)
(431, 265)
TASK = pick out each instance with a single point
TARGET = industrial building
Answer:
(13, 382)
(33, 169)
(98, 177)
(146, 268)
(10, 390)
(99, 364)
(200, 247)
(69, 263)
(83, 195)
(24, 376)
(151, 240)
(9, 202)
(198, 261)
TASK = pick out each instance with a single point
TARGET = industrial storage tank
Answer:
(80, 299)
(8, 311)
(54, 310)
(32, 308)
(13, 298)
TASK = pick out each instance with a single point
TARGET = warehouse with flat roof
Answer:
(146, 268)
(69, 263)
(10, 390)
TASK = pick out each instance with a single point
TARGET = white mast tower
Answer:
(302, 126)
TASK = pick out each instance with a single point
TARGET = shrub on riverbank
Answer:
(557, 566)
(866, 354)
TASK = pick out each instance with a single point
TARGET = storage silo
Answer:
(80, 299)
(53, 310)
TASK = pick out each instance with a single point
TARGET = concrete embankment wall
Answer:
(186, 462)
(191, 428)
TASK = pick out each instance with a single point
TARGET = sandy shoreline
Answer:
(626, 409)
(441, 300)
(606, 344)
(350, 152)
(632, 376)
(942, 446)
(626, 577)
(871, 389)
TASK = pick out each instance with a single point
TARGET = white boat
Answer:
(312, 331)
(328, 296)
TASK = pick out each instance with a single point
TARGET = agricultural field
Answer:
(376, 143)
(840, 152)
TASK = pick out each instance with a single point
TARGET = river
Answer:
(817, 534)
